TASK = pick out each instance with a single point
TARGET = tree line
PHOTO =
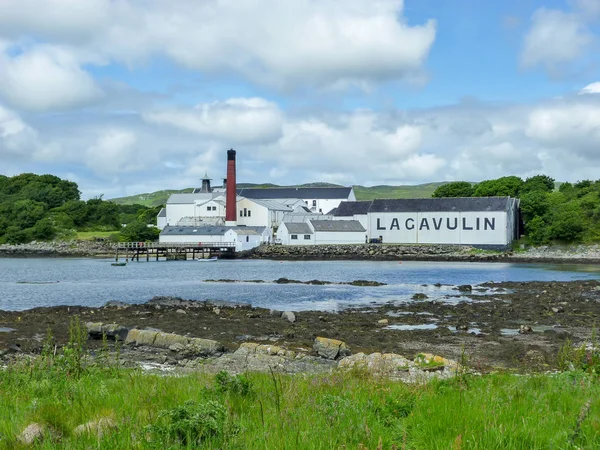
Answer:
(569, 213)
(44, 207)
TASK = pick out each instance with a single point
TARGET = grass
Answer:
(64, 389)
(272, 411)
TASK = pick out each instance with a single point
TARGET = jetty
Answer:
(173, 251)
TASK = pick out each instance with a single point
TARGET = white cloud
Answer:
(45, 78)
(117, 151)
(284, 44)
(590, 7)
(593, 88)
(18, 140)
(237, 120)
(554, 39)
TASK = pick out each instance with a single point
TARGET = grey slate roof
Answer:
(442, 204)
(209, 230)
(299, 192)
(352, 208)
(273, 205)
(337, 225)
(298, 228)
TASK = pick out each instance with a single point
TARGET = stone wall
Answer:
(58, 248)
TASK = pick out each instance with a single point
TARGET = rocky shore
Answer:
(50, 249)
(506, 325)
(364, 252)
(393, 252)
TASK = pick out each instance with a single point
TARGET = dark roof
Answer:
(461, 204)
(299, 192)
(298, 228)
(352, 208)
(337, 225)
(162, 212)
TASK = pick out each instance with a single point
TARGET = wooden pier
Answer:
(136, 251)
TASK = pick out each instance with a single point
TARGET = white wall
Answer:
(323, 205)
(472, 228)
(243, 241)
(161, 222)
(259, 215)
(182, 238)
(176, 211)
(339, 237)
(201, 209)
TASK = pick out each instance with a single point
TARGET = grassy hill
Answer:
(361, 192)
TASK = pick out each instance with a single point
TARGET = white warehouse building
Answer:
(491, 222)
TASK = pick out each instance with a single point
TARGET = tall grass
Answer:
(63, 389)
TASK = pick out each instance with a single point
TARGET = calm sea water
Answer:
(28, 283)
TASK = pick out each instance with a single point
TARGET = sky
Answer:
(132, 96)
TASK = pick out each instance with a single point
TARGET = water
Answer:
(28, 283)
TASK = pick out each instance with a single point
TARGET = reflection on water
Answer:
(27, 283)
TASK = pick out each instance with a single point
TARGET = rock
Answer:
(216, 310)
(97, 427)
(289, 315)
(419, 296)
(383, 322)
(169, 341)
(387, 364)
(141, 337)
(558, 309)
(116, 304)
(366, 283)
(465, 288)
(462, 327)
(429, 362)
(32, 433)
(251, 348)
(180, 311)
(112, 331)
(331, 348)
(524, 329)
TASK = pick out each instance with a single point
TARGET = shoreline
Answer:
(574, 254)
(507, 325)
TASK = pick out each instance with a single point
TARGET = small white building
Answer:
(245, 238)
(161, 219)
(321, 232)
(263, 213)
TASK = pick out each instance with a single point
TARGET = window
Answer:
(314, 203)
(241, 213)
(320, 210)
(294, 236)
(249, 213)
(214, 208)
(307, 236)
(209, 208)
(245, 212)
(247, 238)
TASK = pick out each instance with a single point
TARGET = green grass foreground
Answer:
(271, 411)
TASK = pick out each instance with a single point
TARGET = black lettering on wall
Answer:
(411, 226)
(437, 225)
(455, 223)
(395, 225)
(477, 223)
(489, 223)
(379, 227)
(464, 224)
(424, 224)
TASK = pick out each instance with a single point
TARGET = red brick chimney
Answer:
(231, 194)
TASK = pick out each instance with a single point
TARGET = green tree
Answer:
(537, 231)
(567, 223)
(505, 186)
(44, 229)
(454, 189)
(534, 204)
(139, 232)
(538, 183)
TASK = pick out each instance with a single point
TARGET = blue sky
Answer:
(135, 96)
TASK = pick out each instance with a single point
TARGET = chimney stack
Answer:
(230, 193)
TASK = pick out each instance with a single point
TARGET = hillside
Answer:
(362, 192)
